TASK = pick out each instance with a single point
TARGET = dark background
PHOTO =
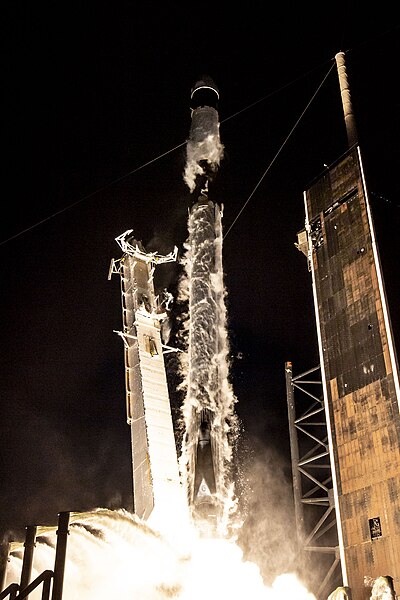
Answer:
(94, 96)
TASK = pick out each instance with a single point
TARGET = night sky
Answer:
(95, 121)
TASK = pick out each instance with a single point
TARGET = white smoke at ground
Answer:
(382, 589)
(268, 534)
(341, 593)
(112, 554)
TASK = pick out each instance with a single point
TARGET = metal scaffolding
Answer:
(311, 472)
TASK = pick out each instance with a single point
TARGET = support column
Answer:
(294, 452)
(29, 545)
(61, 550)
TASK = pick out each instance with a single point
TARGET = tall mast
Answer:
(349, 119)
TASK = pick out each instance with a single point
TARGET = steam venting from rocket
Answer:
(204, 150)
(210, 423)
(205, 369)
(113, 554)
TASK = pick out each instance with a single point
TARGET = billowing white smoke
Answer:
(341, 593)
(382, 589)
(112, 554)
(204, 150)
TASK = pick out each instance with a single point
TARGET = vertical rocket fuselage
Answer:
(204, 377)
(203, 429)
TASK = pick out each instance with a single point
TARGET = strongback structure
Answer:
(156, 481)
(358, 365)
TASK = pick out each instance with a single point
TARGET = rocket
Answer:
(204, 149)
(204, 439)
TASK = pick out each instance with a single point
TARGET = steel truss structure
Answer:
(315, 514)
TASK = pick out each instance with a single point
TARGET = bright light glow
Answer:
(112, 554)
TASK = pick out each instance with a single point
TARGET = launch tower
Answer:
(358, 365)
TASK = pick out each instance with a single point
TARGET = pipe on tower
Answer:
(349, 119)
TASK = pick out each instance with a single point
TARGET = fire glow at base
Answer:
(112, 554)
(180, 542)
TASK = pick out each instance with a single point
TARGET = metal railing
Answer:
(51, 580)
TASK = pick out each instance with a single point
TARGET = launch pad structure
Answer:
(156, 480)
(359, 374)
(162, 493)
(196, 482)
(352, 462)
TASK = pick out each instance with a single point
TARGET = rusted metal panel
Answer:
(361, 394)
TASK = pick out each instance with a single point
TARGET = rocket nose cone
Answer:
(204, 93)
(205, 81)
